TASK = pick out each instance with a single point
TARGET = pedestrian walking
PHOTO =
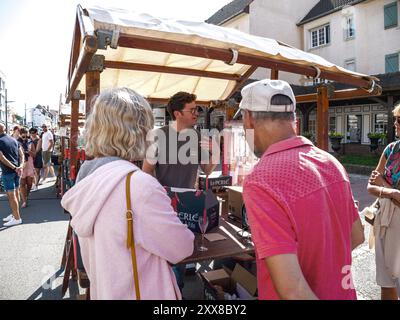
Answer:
(37, 157)
(28, 172)
(11, 162)
(385, 184)
(98, 205)
(299, 203)
(47, 146)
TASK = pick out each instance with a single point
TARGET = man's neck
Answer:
(269, 137)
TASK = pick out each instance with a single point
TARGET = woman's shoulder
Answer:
(392, 147)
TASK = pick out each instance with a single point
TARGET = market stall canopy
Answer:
(159, 57)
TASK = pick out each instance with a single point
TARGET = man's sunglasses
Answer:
(396, 120)
(193, 111)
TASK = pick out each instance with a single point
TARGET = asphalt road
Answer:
(30, 254)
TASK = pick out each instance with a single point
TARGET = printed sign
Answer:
(189, 204)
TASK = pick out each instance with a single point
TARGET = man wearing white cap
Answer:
(299, 202)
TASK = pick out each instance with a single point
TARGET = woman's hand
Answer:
(376, 179)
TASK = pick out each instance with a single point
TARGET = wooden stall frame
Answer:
(85, 44)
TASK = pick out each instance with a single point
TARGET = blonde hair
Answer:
(118, 125)
(396, 110)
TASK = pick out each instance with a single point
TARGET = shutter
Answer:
(390, 15)
(391, 63)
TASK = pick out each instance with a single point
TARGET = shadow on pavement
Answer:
(47, 292)
(43, 206)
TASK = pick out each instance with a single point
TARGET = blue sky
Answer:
(35, 40)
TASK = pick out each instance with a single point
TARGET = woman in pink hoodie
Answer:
(116, 133)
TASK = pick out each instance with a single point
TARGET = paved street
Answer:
(31, 253)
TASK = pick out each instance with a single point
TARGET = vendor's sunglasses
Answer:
(193, 110)
(396, 120)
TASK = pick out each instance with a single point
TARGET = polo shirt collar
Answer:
(286, 144)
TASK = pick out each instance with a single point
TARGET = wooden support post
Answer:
(92, 89)
(274, 74)
(322, 118)
(390, 127)
(93, 80)
(74, 135)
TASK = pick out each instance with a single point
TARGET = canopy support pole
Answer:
(74, 133)
(96, 66)
(274, 74)
(322, 117)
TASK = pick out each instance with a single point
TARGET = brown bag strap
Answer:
(131, 239)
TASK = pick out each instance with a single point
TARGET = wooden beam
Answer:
(85, 56)
(274, 74)
(242, 81)
(322, 118)
(199, 50)
(337, 95)
(165, 101)
(74, 134)
(171, 70)
(92, 89)
(76, 40)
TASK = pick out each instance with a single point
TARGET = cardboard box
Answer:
(189, 204)
(235, 201)
(239, 282)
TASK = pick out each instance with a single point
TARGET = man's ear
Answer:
(177, 114)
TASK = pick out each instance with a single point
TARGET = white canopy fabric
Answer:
(162, 85)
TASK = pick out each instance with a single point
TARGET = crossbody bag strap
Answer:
(131, 239)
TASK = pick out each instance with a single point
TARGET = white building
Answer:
(360, 35)
(40, 115)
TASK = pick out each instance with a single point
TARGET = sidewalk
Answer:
(31, 252)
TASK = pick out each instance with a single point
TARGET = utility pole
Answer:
(6, 102)
(6, 113)
(25, 116)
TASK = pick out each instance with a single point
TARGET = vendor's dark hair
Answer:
(33, 130)
(177, 102)
(23, 130)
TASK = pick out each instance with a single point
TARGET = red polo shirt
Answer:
(299, 200)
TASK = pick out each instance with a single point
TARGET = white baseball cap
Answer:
(257, 96)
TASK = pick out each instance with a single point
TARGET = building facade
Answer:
(40, 115)
(359, 35)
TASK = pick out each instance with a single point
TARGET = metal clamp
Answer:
(107, 38)
(318, 70)
(372, 88)
(235, 55)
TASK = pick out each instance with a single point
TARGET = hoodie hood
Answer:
(85, 200)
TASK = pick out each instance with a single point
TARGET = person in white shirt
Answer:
(47, 148)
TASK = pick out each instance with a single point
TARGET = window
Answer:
(350, 64)
(332, 124)
(391, 16)
(320, 36)
(380, 122)
(350, 31)
(392, 63)
(354, 128)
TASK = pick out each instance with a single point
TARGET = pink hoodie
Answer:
(98, 208)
